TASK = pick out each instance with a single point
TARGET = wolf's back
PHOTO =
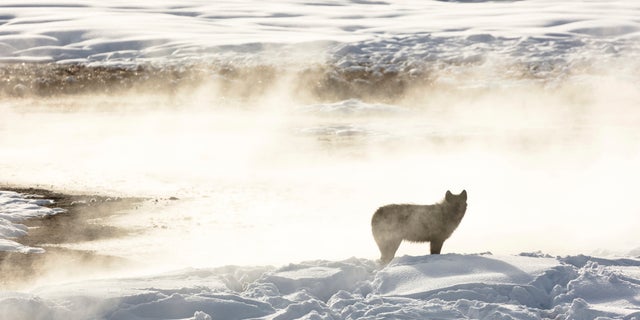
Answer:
(392, 214)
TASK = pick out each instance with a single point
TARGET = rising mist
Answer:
(281, 172)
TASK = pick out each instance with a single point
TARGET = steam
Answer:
(267, 180)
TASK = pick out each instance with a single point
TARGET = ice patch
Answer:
(351, 107)
(337, 130)
(12, 246)
(16, 207)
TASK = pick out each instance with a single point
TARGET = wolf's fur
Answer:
(417, 223)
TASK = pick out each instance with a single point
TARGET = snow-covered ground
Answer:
(304, 31)
(452, 286)
(531, 106)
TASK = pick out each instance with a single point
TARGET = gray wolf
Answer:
(434, 223)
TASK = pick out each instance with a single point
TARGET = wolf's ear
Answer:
(448, 196)
(464, 195)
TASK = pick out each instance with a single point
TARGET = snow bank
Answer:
(447, 286)
(16, 207)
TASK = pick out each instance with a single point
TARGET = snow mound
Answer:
(443, 287)
(418, 278)
(15, 208)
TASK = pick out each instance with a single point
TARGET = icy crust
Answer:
(428, 287)
(15, 208)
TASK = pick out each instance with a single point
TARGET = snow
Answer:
(410, 280)
(349, 32)
(15, 208)
(448, 286)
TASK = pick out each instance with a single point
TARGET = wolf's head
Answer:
(457, 202)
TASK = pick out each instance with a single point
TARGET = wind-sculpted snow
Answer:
(424, 287)
(389, 35)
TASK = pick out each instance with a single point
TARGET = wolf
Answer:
(434, 223)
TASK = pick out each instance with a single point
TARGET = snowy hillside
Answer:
(449, 286)
(85, 31)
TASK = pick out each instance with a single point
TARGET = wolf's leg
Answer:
(436, 246)
(388, 249)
